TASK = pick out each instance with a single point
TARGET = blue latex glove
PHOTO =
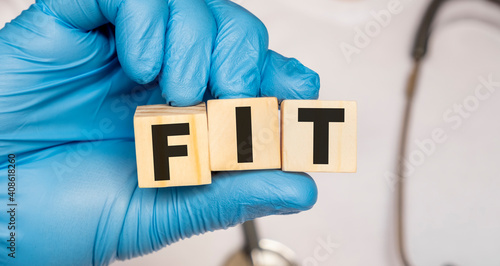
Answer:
(69, 84)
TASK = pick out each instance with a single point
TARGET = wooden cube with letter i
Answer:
(319, 136)
(244, 134)
(171, 146)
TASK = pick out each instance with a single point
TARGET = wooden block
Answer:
(244, 134)
(319, 136)
(171, 145)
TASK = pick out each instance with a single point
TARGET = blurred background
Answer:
(363, 54)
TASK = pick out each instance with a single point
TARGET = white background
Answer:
(453, 196)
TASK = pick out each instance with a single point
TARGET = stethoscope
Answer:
(418, 54)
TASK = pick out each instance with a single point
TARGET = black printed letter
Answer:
(321, 117)
(244, 134)
(162, 152)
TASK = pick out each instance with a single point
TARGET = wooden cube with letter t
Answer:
(319, 136)
(171, 146)
(244, 134)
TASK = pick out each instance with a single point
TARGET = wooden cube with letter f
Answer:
(171, 146)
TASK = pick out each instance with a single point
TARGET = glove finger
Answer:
(240, 49)
(140, 29)
(190, 37)
(140, 38)
(168, 215)
(287, 78)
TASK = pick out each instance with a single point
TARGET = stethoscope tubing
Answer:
(419, 52)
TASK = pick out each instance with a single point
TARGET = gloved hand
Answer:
(69, 84)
